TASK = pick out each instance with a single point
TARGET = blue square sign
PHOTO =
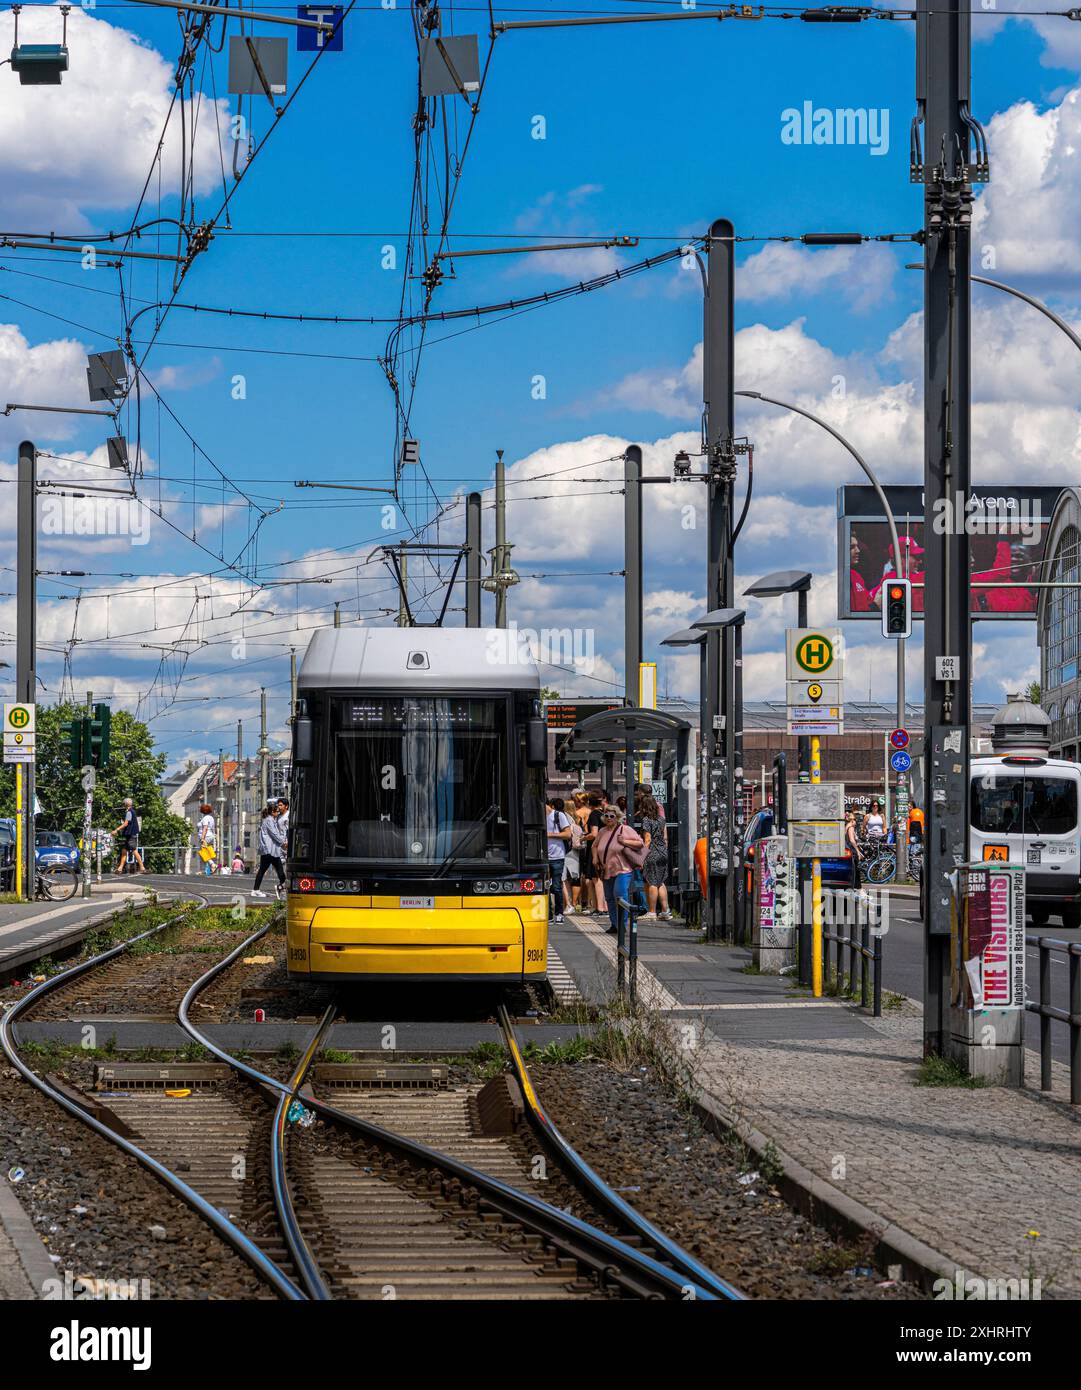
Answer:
(316, 40)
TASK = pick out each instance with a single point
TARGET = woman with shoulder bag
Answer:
(617, 851)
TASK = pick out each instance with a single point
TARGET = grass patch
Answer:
(576, 1049)
(239, 917)
(335, 1054)
(287, 1051)
(833, 1261)
(488, 1059)
(944, 1071)
(751, 969)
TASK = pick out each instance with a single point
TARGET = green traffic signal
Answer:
(98, 734)
(78, 737)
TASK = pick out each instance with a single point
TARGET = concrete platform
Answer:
(31, 931)
(830, 1091)
(24, 1261)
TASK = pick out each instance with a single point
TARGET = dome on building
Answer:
(1020, 726)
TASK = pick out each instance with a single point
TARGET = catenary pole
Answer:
(472, 559)
(632, 572)
(943, 51)
(717, 725)
(26, 681)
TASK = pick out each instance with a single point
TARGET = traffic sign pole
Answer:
(816, 890)
(26, 681)
(19, 856)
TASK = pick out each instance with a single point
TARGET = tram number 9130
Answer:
(535, 954)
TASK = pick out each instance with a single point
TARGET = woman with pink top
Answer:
(613, 865)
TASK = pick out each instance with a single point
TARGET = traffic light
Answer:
(98, 739)
(897, 608)
(78, 736)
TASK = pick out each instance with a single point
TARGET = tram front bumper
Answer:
(491, 943)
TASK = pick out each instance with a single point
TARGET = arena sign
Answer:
(1006, 530)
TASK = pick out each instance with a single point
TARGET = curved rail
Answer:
(594, 1186)
(303, 1258)
(241, 1243)
(608, 1256)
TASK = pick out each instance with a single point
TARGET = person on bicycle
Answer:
(128, 833)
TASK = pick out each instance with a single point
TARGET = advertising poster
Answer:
(992, 925)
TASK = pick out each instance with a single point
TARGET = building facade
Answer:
(1058, 625)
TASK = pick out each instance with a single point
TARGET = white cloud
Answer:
(1028, 215)
(49, 373)
(862, 276)
(91, 142)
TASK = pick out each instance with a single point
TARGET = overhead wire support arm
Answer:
(226, 12)
(16, 243)
(730, 12)
(348, 487)
(606, 245)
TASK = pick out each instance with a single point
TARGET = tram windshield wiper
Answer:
(454, 859)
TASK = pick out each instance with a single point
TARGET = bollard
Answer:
(878, 976)
(634, 957)
(1075, 1026)
(1045, 1022)
(865, 943)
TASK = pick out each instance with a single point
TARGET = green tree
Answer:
(134, 769)
(1033, 692)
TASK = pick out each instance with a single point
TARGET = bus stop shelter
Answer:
(634, 735)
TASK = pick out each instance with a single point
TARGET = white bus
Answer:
(1023, 808)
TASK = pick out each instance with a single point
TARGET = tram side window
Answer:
(1013, 805)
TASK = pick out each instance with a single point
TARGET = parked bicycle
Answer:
(57, 882)
(882, 868)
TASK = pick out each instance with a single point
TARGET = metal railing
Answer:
(864, 951)
(627, 951)
(1048, 1013)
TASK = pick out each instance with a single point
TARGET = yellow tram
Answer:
(417, 845)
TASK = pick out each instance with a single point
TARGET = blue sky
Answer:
(651, 131)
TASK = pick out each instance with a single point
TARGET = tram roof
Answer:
(416, 658)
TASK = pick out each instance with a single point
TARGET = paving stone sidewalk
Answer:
(969, 1173)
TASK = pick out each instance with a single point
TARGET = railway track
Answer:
(357, 1192)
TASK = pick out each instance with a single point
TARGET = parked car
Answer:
(7, 856)
(56, 847)
(836, 873)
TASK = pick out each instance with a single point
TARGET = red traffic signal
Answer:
(897, 608)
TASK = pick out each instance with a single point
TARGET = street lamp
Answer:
(717, 620)
(775, 585)
(902, 778)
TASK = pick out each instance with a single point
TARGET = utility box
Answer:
(773, 930)
(987, 972)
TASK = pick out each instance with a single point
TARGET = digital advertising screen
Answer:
(1006, 530)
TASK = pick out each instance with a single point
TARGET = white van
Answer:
(1024, 808)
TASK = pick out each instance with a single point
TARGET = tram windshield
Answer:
(418, 781)
(1015, 805)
